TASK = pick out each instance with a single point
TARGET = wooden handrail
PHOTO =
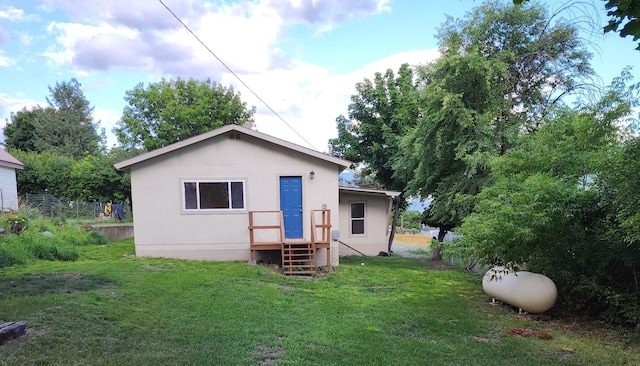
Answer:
(324, 237)
(279, 226)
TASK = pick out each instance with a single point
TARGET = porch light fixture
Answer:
(312, 174)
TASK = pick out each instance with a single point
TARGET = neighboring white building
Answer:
(234, 193)
(8, 185)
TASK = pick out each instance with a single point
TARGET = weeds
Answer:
(32, 238)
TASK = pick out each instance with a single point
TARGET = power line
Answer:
(234, 74)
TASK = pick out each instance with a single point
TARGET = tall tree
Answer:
(565, 203)
(173, 110)
(65, 127)
(502, 68)
(623, 13)
(379, 114)
(19, 132)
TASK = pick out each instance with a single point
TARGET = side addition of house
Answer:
(8, 185)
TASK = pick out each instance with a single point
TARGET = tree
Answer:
(91, 178)
(379, 114)
(622, 11)
(619, 11)
(411, 221)
(65, 127)
(502, 69)
(173, 110)
(43, 172)
(561, 203)
(19, 132)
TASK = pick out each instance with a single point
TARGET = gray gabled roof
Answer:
(368, 191)
(9, 161)
(222, 130)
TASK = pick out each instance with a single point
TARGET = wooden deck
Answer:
(299, 256)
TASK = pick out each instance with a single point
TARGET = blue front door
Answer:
(291, 206)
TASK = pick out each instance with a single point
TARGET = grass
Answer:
(110, 308)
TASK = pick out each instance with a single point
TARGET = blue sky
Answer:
(301, 56)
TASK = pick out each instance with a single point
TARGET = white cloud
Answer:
(326, 14)
(108, 119)
(121, 34)
(309, 97)
(4, 60)
(15, 15)
(71, 35)
(9, 104)
(25, 38)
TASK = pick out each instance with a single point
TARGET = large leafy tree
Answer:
(502, 69)
(382, 110)
(90, 178)
(564, 203)
(173, 110)
(64, 127)
(623, 13)
(19, 132)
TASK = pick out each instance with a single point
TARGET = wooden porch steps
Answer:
(299, 258)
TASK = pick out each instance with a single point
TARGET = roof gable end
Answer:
(222, 130)
(8, 160)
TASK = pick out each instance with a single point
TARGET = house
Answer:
(237, 194)
(8, 185)
(364, 220)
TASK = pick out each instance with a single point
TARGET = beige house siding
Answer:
(376, 236)
(164, 229)
(8, 188)
(8, 184)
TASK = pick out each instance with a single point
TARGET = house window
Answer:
(357, 218)
(213, 195)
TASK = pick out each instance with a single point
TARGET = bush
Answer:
(42, 247)
(33, 244)
(98, 237)
(11, 255)
(16, 223)
(66, 253)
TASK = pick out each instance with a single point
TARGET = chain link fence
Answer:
(51, 206)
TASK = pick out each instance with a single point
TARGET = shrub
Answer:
(98, 237)
(41, 224)
(66, 253)
(70, 237)
(16, 223)
(11, 255)
(41, 247)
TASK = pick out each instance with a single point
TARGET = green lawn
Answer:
(110, 308)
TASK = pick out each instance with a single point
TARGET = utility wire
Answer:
(234, 74)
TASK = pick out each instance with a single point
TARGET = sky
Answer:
(302, 57)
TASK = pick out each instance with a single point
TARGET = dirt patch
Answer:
(526, 333)
(567, 322)
(436, 265)
(46, 283)
(412, 251)
(270, 355)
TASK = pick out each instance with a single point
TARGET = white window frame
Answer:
(363, 218)
(229, 197)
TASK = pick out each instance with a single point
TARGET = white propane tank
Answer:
(531, 292)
